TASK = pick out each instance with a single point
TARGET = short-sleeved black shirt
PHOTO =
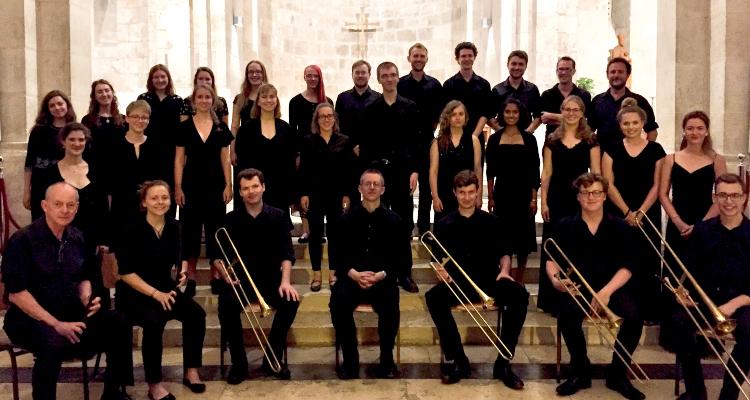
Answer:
(392, 134)
(350, 107)
(634, 176)
(475, 94)
(603, 118)
(221, 108)
(203, 169)
(300, 115)
(327, 169)
(527, 93)
(246, 109)
(552, 101)
(427, 93)
(165, 117)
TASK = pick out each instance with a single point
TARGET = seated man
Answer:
(719, 259)
(596, 244)
(47, 270)
(471, 235)
(261, 234)
(373, 251)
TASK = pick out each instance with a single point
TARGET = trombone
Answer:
(228, 266)
(610, 319)
(462, 297)
(722, 326)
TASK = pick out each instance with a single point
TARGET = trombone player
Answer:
(719, 258)
(470, 235)
(262, 235)
(595, 242)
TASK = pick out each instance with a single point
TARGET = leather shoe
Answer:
(284, 374)
(689, 396)
(236, 375)
(573, 385)
(347, 373)
(625, 388)
(194, 387)
(408, 284)
(503, 372)
(454, 370)
(386, 371)
(114, 393)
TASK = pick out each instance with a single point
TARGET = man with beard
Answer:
(553, 97)
(605, 106)
(351, 103)
(522, 90)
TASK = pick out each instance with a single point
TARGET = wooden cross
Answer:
(362, 27)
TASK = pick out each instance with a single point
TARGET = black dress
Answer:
(42, 153)
(104, 132)
(300, 114)
(452, 160)
(245, 110)
(515, 171)
(162, 128)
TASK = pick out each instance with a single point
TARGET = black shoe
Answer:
(688, 396)
(303, 239)
(284, 374)
(503, 372)
(408, 284)
(623, 386)
(168, 396)
(194, 387)
(386, 371)
(346, 373)
(114, 393)
(453, 371)
(190, 288)
(237, 375)
(573, 385)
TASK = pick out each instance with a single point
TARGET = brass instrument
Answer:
(609, 318)
(475, 314)
(721, 328)
(228, 266)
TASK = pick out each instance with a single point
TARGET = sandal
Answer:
(315, 285)
(332, 279)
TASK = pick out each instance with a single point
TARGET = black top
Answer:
(50, 269)
(691, 191)
(162, 129)
(552, 100)
(104, 132)
(391, 134)
(350, 107)
(452, 160)
(327, 169)
(634, 176)
(597, 256)
(203, 168)
(567, 165)
(603, 118)
(373, 242)
(42, 152)
(475, 94)
(477, 243)
(527, 93)
(245, 110)
(275, 157)
(221, 108)
(300, 114)
(720, 259)
(514, 169)
(427, 93)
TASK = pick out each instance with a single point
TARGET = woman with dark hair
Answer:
(450, 153)
(255, 75)
(104, 121)
(148, 293)
(513, 180)
(327, 184)
(203, 181)
(204, 76)
(571, 150)
(44, 149)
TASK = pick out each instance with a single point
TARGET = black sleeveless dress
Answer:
(453, 160)
(691, 198)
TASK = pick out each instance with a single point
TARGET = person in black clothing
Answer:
(244, 102)
(373, 252)
(553, 97)
(427, 93)
(327, 185)
(105, 123)
(261, 234)
(518, 88)
(43, 149)
(389, 146)
(302, 106)
(205, 76)
(470, 236)
(148, 294)
(718, 258)
(593, 241)
(47, 272)
(350, 104)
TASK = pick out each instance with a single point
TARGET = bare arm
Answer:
(653, 193)
(534, 124)
(235, 120)
(478, 164)
(480, 126)
(651, 135)
(179, 166)
(27, 188)
(665, 184)
(434, 165)
(595, 155)
(612, 193)
(137, 283)
(28, 304)
(546, 175)
(720, 167)
(226, 168)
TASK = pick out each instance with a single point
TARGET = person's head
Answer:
(103, 98)
(566, 68)
(695, 130)
(138, 114)
(417, 56)
(466, 53)
(267, 101)
(159, 79)
(572, 110)
(631, 118)
(324, 119)
(387, 76)
(155, 197)
(55, 105)
(514, 114)
(204, 76)
(729, 194)
(371, 185)
(453, 116)
(252, 185)
(204, 99)
(592, 191)
(314, 80)
(255, 75)
(60, 205)
(466, 189)
(74, 136)
(618, 71)
(361, 70)
(518, 60)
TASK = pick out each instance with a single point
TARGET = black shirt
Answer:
(165, 117)
(247, 108)
(603, 118)
(327, 169)
(527, 93)
(104, 132)
(221, 108)
(475, 94)
(203, 168)
(350, 107)
(373, 242)
(42, 152)
(391, 134)
(720, 259)
(48, 268)
(300, 115)
(552, 100)
(427, 93)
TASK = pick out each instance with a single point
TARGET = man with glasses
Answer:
(596, 243)
(719, 258)
(553, 97)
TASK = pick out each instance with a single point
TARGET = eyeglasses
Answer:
(371, 184)
(572, 110)
(141, 118)
(326, 117)
(593, 193)
(726, 196)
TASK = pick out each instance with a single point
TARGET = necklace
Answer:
(159, 229)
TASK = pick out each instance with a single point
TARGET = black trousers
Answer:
(688, 347)
(107, 331)
(231, 315)
(346, 295)
(570, 320)
(153, 318)
(202, 211)
(425, 197)
(512, 301)
(398, 198)
(328, 207)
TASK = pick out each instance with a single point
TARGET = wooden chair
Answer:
(367, 308)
